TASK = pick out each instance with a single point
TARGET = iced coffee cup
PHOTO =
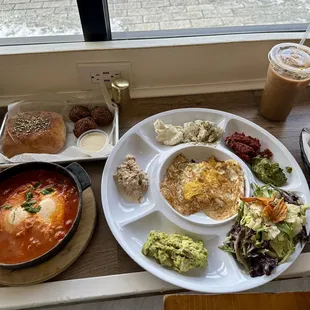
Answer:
(288, 76)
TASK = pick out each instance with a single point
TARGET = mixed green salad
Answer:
(269, 226)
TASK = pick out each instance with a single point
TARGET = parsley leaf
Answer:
(29, 195)
(27, 204)
(37, 184)
(32, 210)
(6, 207)
(47, 190)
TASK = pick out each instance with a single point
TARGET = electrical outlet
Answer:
(90, 74)
(106, 76)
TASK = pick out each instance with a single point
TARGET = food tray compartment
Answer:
(62, 104)
(199, 153)
(280, 154)
(221, 267)
(177, 118)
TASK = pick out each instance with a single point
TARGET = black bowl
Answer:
(80, 179)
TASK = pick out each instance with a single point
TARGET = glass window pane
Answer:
(31, 18)
(150, 15)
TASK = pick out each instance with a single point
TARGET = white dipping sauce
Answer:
(93, 142)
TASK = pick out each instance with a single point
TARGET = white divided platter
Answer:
(131, 222)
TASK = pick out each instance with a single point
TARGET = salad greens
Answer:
(260, 243)
(271, 190)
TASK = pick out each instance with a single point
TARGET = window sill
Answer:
(146, 43)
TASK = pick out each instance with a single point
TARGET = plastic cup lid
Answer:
(291, 57)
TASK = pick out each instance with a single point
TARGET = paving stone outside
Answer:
(20, 18)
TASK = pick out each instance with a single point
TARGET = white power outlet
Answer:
(106, 76)
(90, 74)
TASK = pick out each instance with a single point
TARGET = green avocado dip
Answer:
(268, 172)
(176, 251)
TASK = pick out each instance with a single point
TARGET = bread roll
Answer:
(34, 132)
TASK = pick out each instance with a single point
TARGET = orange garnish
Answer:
(279, 212)
(275, 213)
(268, 211)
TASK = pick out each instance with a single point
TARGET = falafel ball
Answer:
(102, 116)
(78, 113)
(84, 124)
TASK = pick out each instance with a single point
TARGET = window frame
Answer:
(95, 20)
(216, 31)
(41, 40)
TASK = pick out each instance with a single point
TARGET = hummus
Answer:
(132, 180)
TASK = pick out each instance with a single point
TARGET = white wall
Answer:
(159, 67)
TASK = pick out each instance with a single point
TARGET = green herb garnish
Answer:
(36, 185)
(6, 207)
(32, 210)
(27, 204)
(289, 169)
(47, 190)
(29, 195)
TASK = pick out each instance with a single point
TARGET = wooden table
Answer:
(292, 301)
(104, 256)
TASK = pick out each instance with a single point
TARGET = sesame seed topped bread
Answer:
(34, 132)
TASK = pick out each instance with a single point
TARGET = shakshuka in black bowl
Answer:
(40, 209)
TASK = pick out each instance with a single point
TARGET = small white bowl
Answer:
(200, 153)
(87, 133)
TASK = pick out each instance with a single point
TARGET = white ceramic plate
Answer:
(132, 222)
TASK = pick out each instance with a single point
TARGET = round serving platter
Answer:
(131, 222)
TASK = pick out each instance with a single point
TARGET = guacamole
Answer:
(268, 172)
(176, 251)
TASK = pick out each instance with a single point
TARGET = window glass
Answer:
(31, 18)
(52, 19)
(150, 15)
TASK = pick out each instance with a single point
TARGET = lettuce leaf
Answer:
(263, 191)
(295, 218)
(227, 248)
(283, 246)
(271, 232)
(286, 228)
(303, 209)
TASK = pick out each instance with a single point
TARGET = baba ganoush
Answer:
(131, 179)
(196, 131)
(211, 186)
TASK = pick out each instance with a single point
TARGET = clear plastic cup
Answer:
(287, 77)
